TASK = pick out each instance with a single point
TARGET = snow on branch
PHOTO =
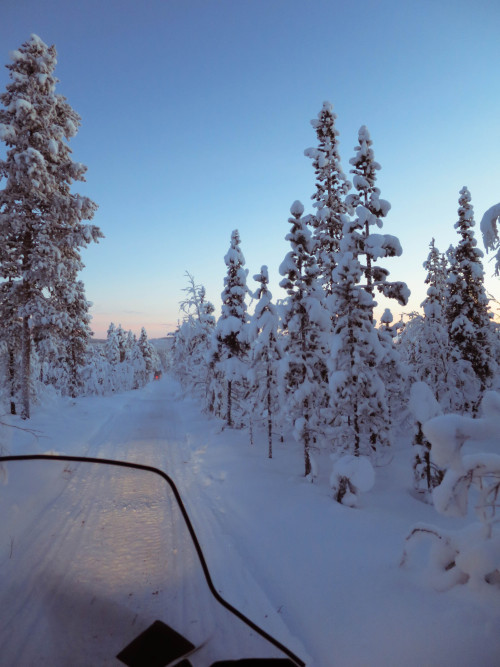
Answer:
(470, 555)
(489, 231)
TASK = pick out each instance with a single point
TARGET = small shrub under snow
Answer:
(351, 475)
(470, 555)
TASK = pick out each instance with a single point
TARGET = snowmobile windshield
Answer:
(99, 565)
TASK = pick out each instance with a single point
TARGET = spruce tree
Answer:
(329, 198)
(231, 342)
(111, 347)
(76, 336)
(361, 417)
(436, 266)
(193, 338)
(360, 420)
(303, 319)
(467, 314)
(433, 362)
(41, 222)
(10, 337)
(393, 372)
(369, 211)
(265, 354)
(148, 352)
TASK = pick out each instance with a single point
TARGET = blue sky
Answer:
(195, 117)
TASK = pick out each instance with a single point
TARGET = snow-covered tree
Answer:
(436, 266)
(229, 354)
(393, 372)
(148, 352)
(266, 351)
(331, 188)
(121, 339)
(136, 362)
(94, 372)
(193, 338)
(76, 335)
(467, 313)
(423, 406)
(10, 339)
(489, 231)
(361, 418)
(41, 221)
(112, 350)
(424, 342)
(370, 210)
(304, 320)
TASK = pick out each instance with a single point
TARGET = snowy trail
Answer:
(152, 430)
(320, 577)
(144, 427)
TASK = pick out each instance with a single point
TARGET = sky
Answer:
(196, 114)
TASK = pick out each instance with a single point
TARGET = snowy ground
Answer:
(322, 578)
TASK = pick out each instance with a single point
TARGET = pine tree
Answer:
(423, 406)
(434, 363)
(76, 335)
(231, 342)
(361, 418)
(329, 198)
(148, 352)
(111, 347)
(469, 323)
(265, 354)
(304, 320)
(193, 338)
(10, 336)
(391, 368)
(121, 339)
(370, 210)
(436, 266)
(135, 361)
(41, 228)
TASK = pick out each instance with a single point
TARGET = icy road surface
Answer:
(322, 578)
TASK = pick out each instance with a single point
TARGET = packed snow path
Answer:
(324, 579)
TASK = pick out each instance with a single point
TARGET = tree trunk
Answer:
(12, 377)
(229, 400)
(269, 419)
(356, 434)
(26, 369)
(307, 458)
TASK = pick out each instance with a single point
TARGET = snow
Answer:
(489, 228)
(423, 405)
(297, 208)
(358, 469)
(383, 245)
(320, 577)
(53, 147)
(489, 231)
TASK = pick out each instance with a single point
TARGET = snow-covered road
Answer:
(322, 578)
